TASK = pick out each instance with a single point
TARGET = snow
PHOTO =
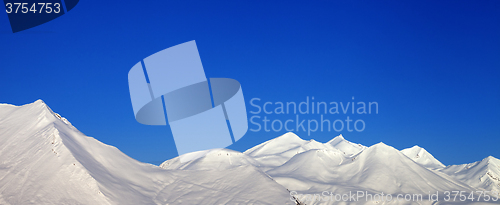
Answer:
(277, 151)
(35, 166)
(484, 174)
(379, 168)
(338, 166)
(46, 160)
(345, 146)
(217, 159)
(422, 157)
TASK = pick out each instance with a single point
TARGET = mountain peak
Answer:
(491, 159)
(39, 101)
(287, 138)
(379, 148)
(336, 139)
(289, 135)
(38, 108)
(422, 157)
(484, 174)
(38, 105)
(380, 145)
(280, 144)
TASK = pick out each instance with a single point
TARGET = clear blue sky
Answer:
(433, 67)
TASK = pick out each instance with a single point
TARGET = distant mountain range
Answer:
(46, 160)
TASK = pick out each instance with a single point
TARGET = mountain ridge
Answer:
(484, 174)
(44, 159)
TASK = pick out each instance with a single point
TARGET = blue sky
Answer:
(433, 67)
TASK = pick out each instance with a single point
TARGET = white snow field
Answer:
(45, 160)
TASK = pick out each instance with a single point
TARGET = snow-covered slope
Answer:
(217, 159)
(422, 157)
(277, 151)
(349, 148)
(309, 168)
(484, 174)
(379, 168)
(45, 160)
(36, 167)
(340, 167)
(314, 164)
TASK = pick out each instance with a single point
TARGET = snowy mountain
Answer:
(36, 166)
(309, 168)
(422, 157)
(45, 160)
(484, 174)
(277, 151)
(379, 168)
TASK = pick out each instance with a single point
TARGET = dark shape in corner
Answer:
(35, 16)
